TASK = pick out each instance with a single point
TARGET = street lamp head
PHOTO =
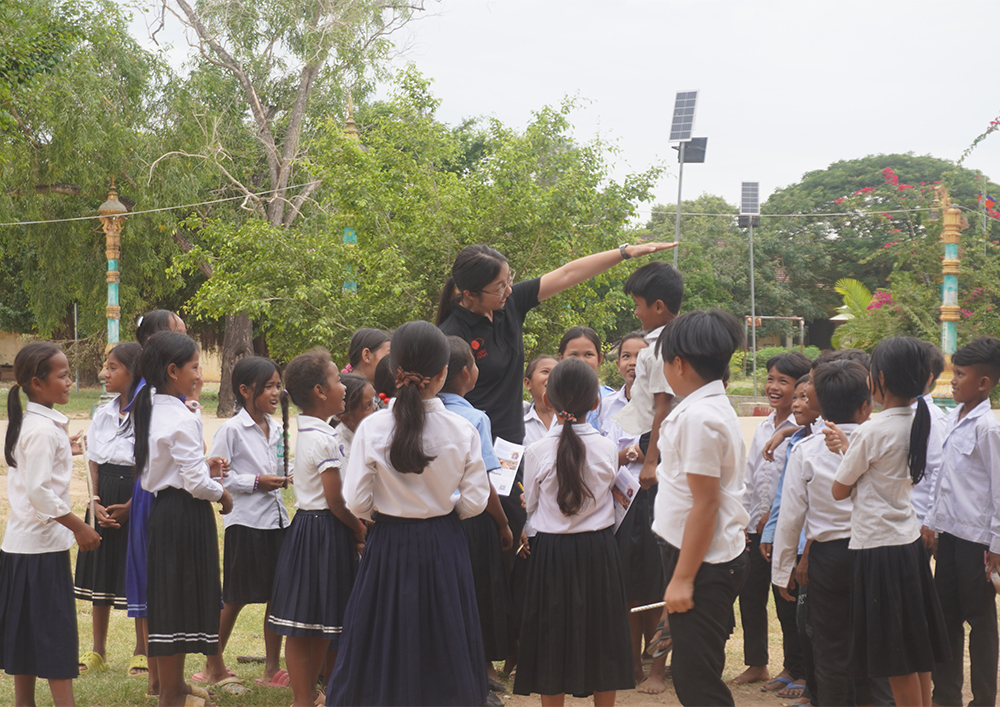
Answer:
(112, 207)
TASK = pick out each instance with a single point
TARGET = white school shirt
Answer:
(372, 485)
(541, 487)
(534, 428)
(250, 454)
(613, 431)
(637, 416)
(923, 493)
(968, 497)
(177, 451)
(346, 440)
(38, 486)
(110, 438)
(876, 464)
(807, 498)
(318, 447)
(702, 436)
(762, 475)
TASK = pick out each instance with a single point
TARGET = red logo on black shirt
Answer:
(479, 348)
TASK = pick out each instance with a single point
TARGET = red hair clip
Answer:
(384, 398)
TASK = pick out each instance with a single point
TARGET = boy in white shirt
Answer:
(841, 388)
(966, 516)
(699, 516)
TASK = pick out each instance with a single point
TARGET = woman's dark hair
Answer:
(354, 398)
(152, 322)
(254, 372)
(162, 349)
(533, 364)
(628, 337)
(460, 358)
(581, 332)
(371, 339)
(572, 389)
(384, 381)
(900, 366)
(792, 364)
(128, 353)
(706, 339)
(302, 374)
(841, 388)
(657, 281)
(32, 361)
(475, 267)
(419, 352)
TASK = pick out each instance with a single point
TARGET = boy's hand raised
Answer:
(836, 440)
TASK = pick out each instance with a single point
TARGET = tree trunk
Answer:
(237, 343)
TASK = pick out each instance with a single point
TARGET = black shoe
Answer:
(495, 686)
(492, 701)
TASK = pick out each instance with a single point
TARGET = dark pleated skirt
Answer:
(183, 588)
(100, 573)
(518, 589)
(314, 577)
(411, 634)
(897, 627)
(249, 561)
(645, 580)
(575, 635)
(138, 540)
(492, 587)
(38, 616)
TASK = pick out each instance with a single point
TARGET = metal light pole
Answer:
(750, 216)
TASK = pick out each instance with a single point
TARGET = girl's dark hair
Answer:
(460, 358)
(128, 353)
(355, 385)
(793, 364)
(935, 359)
(33, 361)
(419, 352)
(162, 349)
(628, 337)
(900, 365)
(371, 339)
(475, 267)
(254, 372)
(152, 322)
(581, 332)
(533, 364)
(572, 389)
(385, 380)
(801, 380)
(302, 374)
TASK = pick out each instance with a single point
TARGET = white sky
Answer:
(786, 87)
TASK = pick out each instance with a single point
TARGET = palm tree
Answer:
(857, 299)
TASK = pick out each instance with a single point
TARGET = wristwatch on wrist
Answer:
(621, 249)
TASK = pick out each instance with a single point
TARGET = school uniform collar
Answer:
(581, 427)
(618, 395)
(247, 420)
(472, 318)
(308, 423)
(897, 411)
(435, 404)
(532, 414)
(455, 399)
(345, 432)
(709, 390)
(165, 399)
(652, 336)
(978, 411)
(45, 411)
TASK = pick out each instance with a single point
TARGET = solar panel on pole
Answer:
(750, 199)
(682, 124)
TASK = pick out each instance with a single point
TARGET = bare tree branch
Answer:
(187, 246)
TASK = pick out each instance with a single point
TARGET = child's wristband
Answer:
(256, 481)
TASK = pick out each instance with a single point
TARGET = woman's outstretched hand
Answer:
(640, 249)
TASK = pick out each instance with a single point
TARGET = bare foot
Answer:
(755, 673)
(654, 684)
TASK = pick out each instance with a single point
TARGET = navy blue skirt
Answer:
(314, 577)
(411, 634)
(135, 560)
(100, 573)
(249, 560)
(38, 616)
(575, 636)
(645, 580)
(492, 587)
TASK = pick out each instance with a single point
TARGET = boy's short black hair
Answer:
(936, 360)
(704, 338)
(841, 388)
(983, 354)
(802, 380)
(657, 281)
(792, 364)
(856, 355)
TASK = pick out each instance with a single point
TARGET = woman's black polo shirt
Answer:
(499, 350)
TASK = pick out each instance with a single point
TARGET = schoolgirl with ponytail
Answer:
(319, 555)
(182, 562)
(411, 632)
(37, 613)
(575, 603)
(897, 626)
